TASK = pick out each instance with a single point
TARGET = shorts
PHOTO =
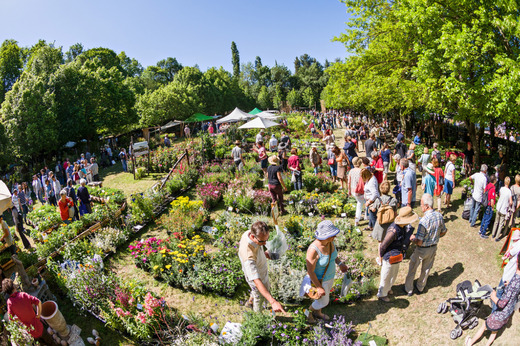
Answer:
(448, 186)
(386, 165)
(238, 162)
(263, 163)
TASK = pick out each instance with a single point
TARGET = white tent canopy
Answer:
(5, 197)
(267, 115)
(236, 115)
(259, 123)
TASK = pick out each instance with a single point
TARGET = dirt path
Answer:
(462, 255)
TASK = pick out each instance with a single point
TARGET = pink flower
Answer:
(141, 317)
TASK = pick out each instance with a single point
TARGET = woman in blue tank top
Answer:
(321, 259)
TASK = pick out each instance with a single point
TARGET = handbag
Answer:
(313, 291)
(441, 180)
(71, 212)
(360, 187)
(331, 161)
(396, 259)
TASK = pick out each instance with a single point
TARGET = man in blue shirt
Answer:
(417, 139)
(409, 184)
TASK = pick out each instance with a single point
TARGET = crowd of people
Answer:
(389, 212)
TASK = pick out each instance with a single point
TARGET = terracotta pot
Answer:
(54, 318)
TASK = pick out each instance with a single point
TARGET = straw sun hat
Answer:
(406, 216)
(274, 160)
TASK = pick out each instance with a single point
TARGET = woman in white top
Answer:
(329, 139)
(503, 204)
(371, 194)
(449, 179)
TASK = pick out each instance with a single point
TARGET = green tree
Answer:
(235, 59)
(74, 50)
(28, 115)
(131, 67)
(11, 64)
(294, 98)
(308, 97)
(264, 99)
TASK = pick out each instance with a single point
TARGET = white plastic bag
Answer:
(231, 333)
(277, 244)
(345, 285)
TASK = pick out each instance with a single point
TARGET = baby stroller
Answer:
(465, 306)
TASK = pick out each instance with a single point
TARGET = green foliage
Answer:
(11, 65)
(140, 173)
(235, 59)
(255, 328)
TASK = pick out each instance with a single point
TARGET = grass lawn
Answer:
(114, 177)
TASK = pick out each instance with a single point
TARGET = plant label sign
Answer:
(343, 214)
(140, 148)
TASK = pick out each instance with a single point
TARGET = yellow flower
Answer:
(155, 267)
(163, 251)
(168, 266)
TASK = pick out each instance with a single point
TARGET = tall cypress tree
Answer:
(235, 60)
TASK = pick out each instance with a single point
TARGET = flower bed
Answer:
(64, 233)
(124, 306)
(185, 263)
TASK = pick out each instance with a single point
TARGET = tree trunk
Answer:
(492, 133)
(402, 120)
(476, 139)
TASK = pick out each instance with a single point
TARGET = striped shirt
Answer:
(21, 197)
(430, 228)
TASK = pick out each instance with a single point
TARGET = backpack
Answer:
(385, 213)
(485, 201)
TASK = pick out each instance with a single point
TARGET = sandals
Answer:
(321, 316)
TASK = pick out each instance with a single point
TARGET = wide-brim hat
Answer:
(282, 145)
(326, 230)
(274, 160)
(237, 142)
(406, 216)
(429, 168)
(516, 235)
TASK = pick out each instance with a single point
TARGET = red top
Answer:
(65, 165)
(64, 208)
(20, 304)
(438, 188)
(492, 192)
(379, 174)
(294, 162)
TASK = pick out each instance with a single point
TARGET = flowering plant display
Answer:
(125, 306)
(112, 195)
(109, 238)
(44, 217)
(338, 332)
(229, 228)
(262, 202)
(210, 193)
(186, 216)
(19, 333)
(64, 233)
(294, 333)
(240, 195)
(161, 159)
(186, 264)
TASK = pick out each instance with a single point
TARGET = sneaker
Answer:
(497, 239)
(483, 236)
(409, 294)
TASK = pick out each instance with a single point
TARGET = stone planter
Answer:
(54, 318)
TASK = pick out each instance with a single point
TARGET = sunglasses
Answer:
(261, 242)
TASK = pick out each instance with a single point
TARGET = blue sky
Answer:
(194, 32)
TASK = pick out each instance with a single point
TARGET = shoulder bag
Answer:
(360, 187)
(313, 291)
